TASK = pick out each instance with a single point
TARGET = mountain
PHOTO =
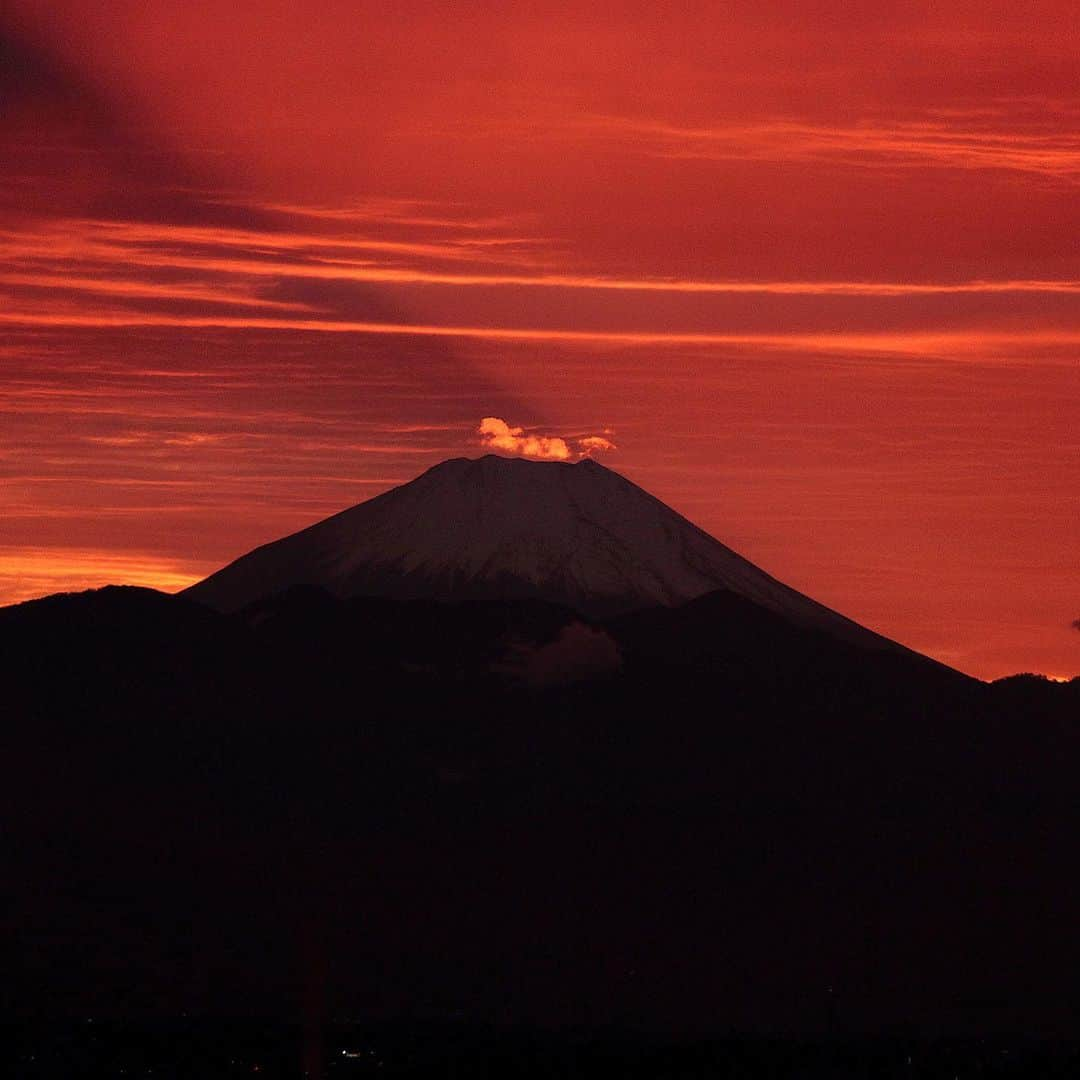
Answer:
(578, 534)
(577, 765)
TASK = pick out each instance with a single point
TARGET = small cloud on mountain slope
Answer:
(497, 434)
(580, 653)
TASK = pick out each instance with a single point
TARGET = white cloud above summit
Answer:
(496, 434)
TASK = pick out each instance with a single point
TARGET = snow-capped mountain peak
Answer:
(578, 534)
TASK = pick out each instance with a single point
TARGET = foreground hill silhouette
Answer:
(705, 817)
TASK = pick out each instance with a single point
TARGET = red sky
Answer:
(814, 265)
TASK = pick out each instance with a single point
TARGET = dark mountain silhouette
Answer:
(497, 528)
(705, 816)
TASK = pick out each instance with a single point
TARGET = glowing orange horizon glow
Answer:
(25, 575)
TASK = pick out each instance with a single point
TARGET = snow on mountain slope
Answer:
(577, 534)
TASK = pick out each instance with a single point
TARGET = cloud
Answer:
(497, 434)
(592, 444)
(956, 143)
(578, 654)
(50, 254)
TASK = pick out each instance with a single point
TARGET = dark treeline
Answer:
(700, 821)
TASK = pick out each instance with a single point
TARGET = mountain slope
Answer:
(578, 534)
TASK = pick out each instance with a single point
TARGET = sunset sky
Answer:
(812, 268)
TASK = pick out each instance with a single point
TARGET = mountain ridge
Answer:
(738, 813)
(577, 533)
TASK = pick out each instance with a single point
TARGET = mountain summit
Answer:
(493, 527)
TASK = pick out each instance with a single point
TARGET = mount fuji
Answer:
(515, 740)
(492, 528)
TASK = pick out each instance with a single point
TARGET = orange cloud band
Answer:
(29, 572)
(923, 142)
(320, 258)
(939, 344)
